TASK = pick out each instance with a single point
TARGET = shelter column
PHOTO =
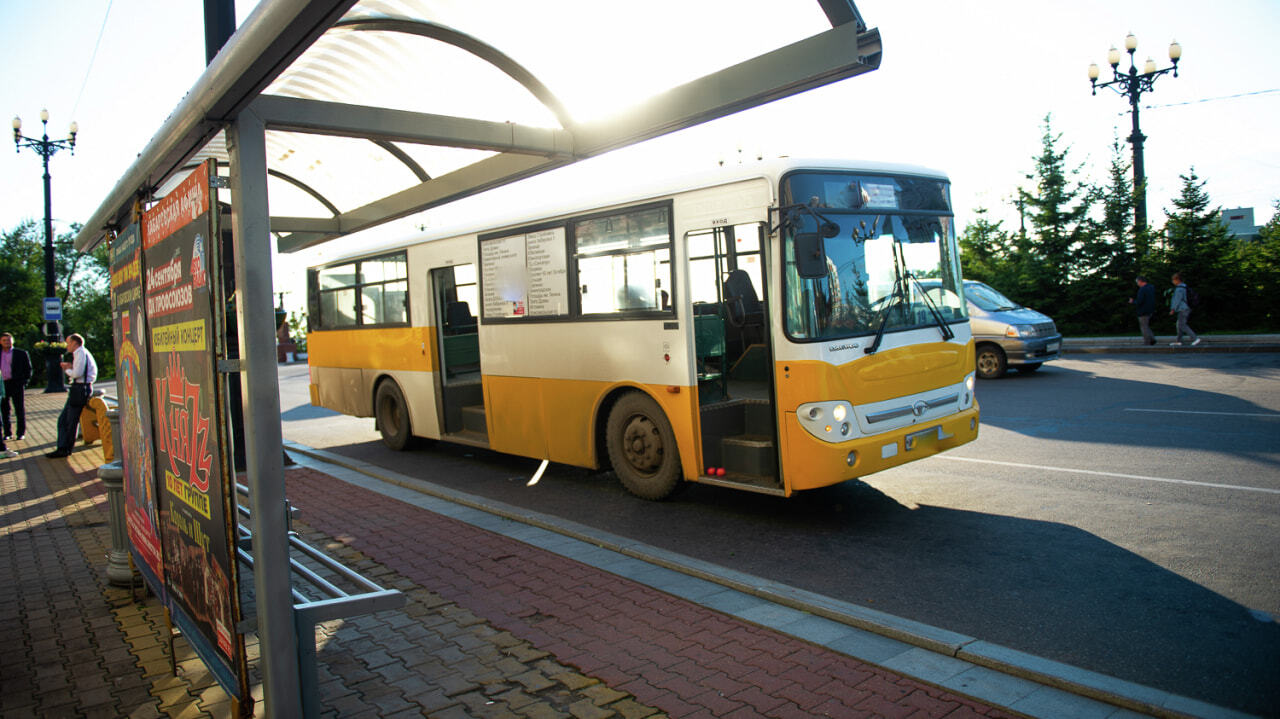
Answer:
(246, 141)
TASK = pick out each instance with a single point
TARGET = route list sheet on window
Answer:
(525, 275)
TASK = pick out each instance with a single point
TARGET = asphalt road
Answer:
(1118, 513)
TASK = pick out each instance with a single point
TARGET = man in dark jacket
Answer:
(1144, 304)
(15, 366)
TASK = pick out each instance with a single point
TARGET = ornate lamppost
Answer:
(1131, 85)
(46, 148)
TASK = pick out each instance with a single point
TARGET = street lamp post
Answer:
(1132, 85)
(46, 148)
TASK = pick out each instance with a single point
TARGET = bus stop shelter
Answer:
(319, 112)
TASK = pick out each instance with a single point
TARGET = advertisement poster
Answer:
(134, 389)
(197, 530)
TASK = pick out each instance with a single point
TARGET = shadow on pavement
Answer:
(1045, 588)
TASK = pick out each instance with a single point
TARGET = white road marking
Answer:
(538, 475)
(1213, 485)
(1191, 411)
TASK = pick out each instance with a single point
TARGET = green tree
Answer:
(985, 250)
(22, 283)
(1109, 258)
(1198, 245)
(1259, 263)
(1059, 210)
(81, 280)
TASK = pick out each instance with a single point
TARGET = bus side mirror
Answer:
(811, 255)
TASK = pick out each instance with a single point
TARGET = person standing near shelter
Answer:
(1179, 306)
(1144, 304)
(15, 366)
(82, 370)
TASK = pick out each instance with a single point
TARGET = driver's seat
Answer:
(738, 286)
(742, 307)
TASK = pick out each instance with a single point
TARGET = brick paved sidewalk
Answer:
(492, 627)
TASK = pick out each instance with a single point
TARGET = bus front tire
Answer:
(642, 448)
(392, 415)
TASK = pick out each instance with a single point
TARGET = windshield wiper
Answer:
(947, 334)
(897, 297)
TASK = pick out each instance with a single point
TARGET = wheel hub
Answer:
(642, 444)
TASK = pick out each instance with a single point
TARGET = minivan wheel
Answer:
(991, 362)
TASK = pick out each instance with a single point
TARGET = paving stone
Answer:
(492, 627)
(588, 709)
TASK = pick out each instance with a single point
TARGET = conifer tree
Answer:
(1059, 209)
(1198, 245)
(985, 250)
(1259, 277)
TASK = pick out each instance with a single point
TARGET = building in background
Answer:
(1239, 222)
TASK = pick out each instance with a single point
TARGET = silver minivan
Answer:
(1007, 334)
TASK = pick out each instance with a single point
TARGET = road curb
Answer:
(1080, 682)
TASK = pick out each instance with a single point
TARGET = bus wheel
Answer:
(991, 361)
(392, 415)
(642, 447)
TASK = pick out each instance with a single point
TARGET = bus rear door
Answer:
(462, 416)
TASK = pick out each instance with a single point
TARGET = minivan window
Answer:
(987, 299)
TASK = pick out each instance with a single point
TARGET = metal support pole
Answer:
(53, 367)
(119, 569)
(246, 141)
(1139, 172)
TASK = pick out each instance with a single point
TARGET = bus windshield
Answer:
(867, 254)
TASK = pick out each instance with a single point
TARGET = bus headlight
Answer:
(814, 416)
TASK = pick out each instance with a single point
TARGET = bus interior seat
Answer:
(458, 317)
(742, 307)
(738, 290)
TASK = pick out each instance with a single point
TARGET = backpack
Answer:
(1193, 298)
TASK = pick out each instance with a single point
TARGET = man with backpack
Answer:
(1180, 304)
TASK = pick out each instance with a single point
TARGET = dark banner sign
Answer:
(133, 385)
(197, 524)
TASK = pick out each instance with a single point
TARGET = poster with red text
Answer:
(133, 387)
(195, 504)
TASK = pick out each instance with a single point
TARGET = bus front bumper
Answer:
(813, 463)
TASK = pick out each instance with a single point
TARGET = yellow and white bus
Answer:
(773, 328)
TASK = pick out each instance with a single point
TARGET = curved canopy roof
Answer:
(378, 109)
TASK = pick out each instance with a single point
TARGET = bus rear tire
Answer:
(642, 447)
(392, 415)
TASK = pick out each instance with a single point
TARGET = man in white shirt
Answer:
(82, 370)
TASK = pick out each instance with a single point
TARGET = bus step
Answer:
(473, 419)
(750, 454)
(749, 482)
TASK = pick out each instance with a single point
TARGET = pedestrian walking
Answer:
(82, 370)
(1144, 304)
(15, 367)
(4, 448)
(1179, 306)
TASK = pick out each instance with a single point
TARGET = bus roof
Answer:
(643, 190)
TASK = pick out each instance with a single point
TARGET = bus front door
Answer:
(734, 356)
(461, 405)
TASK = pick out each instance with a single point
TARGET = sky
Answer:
(964, 86)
